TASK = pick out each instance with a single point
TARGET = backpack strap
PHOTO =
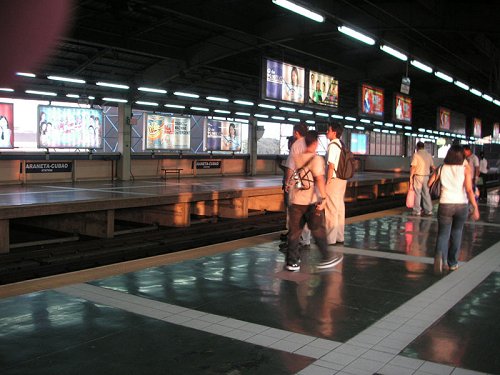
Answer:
(340, 147)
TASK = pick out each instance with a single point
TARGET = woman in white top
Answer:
(456, 191)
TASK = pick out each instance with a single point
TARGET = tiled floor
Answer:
(381, 311)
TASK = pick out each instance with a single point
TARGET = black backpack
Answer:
(345, 169)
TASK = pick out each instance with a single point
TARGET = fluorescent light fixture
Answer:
(462, 85)
(242, 113)
(385, 131)
(376, 130)
(174, 106)
(278, 118)
(241, 120)
(408, 128)
(6, 89)
(311, 121)
(306, 111)
(348, 126)
(393, 52)
(397, 126)
(36, 92)
(150, 89)
(91, 97)
(268, 106)
(392, 131)
(428, 131)
(222, 111)
(444, 77)
(349, 118)
(422, 130)
(435, 132)
(113, 85)
(293, 119)
(300, 10)
(379, 123)
(259, 115)
(476, 92)
(366, 121)
(244, 102)
(338, 117)
(356, 35)
(287, 109)
(421, 66)
(360, 127)
(389, 124)
(448, 134)
(217, 99)
(202, 109)
(497, 102)
(66, 79)
(152, 104)
(23, 74)
(322, 114)
(408, 134)
(75, 96)
(118, 100)
(219, 118)
(487, 97)
(186, 94)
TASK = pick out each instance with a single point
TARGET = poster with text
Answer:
(402, 108)
(477, 127)
(323, 89)
(223, 136)
(444, 118)
(372, 101)
(284, 82)
(164, 132)
(6, 125)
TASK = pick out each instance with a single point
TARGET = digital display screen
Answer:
(164, 132)
(222, 135)
(402, 108)
(282, 81)
(371, 101)
(359, 143)
(6, 125)
(323, 89)
(444, 118)
(69, 127)
(477, 127)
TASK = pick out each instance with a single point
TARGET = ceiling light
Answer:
(360, 128)
(243, 102)
(305, 111)
(380, 123)
(152, 104)
(365, 120)
(219, 118)
(278, 118)
(293, 119)
(421, 66)
(389, 124)
(376, 130)
(311, 121)
(217, 99)
(338, 117)
(261, 115)
(186, 94)
(6, 89)
(45, 93)
(444, 77)
(408, 127)
(476, 92)
(356, 35)
(202, 109)
(398, 126)
(241, 120)
(242, 113)
(66, 79)
(497, 102)
(222, 111)
(174, 106)
(300, 10)
(114, 85)
(487, 97)
(322, 114)
(287, 109)
(22, 74)
(348, 118)
(118, 100)
(462, 85)
(348, 126)
(75, 96)
(393, 52)
(268, 106)
(149, 89)
(91, 97)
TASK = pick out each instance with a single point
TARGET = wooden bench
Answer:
(172, 170)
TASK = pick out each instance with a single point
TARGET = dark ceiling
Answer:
(215, 47)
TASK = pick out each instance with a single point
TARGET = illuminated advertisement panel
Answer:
(402, 108)
(6, 125)
(283, 82)
(223, 135)
(496, 130)
(477, 127)
(166, 132)
(444, 118)
(371, 101)
(323, 90)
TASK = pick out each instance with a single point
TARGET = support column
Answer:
(4, 236)
(252, 146)
(124, 141)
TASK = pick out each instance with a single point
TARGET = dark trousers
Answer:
(298, 216)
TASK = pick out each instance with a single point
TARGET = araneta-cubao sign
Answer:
(48, 167)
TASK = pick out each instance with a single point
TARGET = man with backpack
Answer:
(339, 168)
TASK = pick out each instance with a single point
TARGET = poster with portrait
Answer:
(444, 118)
(6, 125)
(402, 108)
(496, 130)
(477, 127)
(223, 135)
(323, 90)
(165, 132)
(371, 101)
(69, 127)
(283, 81)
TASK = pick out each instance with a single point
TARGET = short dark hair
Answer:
(311, 137)
(455, 155)
(300, 128)
(420, 145)
(337, 127)
(467, 147)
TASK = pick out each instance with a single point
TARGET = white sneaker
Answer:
(333, 261)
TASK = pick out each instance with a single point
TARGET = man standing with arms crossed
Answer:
(421, 167)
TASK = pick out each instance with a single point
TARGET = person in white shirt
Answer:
(483, 173)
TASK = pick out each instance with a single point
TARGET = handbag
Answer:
(410, 198)
(435, 187)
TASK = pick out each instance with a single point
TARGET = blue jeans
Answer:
(298, 216)
(451, 220)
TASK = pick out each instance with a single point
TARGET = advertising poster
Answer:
(284, 82)
(477, 127)
(165, 132)
(496, 130)
(402, 108)
(6, 125)
(372, 101)
(69, 127)
(223, 136)
(444, 118)
(323, 89)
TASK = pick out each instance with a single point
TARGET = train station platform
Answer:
(232, 309)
